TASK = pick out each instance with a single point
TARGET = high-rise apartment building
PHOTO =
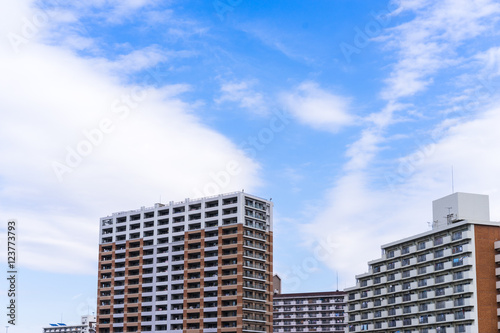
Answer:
(202, 265)
(310, 312)
(443, 280)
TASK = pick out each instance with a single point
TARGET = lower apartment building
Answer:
(309, 312)
(202, 265)
(443, 280)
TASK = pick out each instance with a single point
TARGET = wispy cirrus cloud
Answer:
(429, 46)
(429, 42)
(244, 95)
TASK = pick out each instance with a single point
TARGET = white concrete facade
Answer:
(310, 312)
(460, 206)
(425, 283)
(200, 265)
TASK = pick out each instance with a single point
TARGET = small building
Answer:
(309, 312)
(87, 325)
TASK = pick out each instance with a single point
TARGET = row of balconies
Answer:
(310, 329)
(415, 272)
(425, 245)
(294, 309)
(307, 323)
(430, 309)
(442, 323)
(122, 235)
(429, 295)
(380, 266)
(414, 285)
(309, 315)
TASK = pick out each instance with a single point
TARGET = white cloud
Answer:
(428, 43)
(54, 103)
(358, 218)
(135, 61)
(317, 108)
(243, 94)
(368, 207)
(113, 11)
(491, 61)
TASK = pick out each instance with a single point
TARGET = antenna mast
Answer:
(452, 181)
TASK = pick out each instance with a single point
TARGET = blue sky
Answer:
(349, 114)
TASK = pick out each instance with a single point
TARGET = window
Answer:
(422, 282)
(406, 274)
(459, 288)
(421, 258)
(391, 312)
(422, 294)
(405, 250)
(457, 249)
(458, 275)
(405, 262)
(456, 235)
(406, 285)
(423, 307)
(390, 254)
(376, 280)
(438, 266)
(391, 277)
(438, 253)
(439, 291)
(441, 317)
(423, 319)
(391, 265)
(422, 270)
(421, 245)
(407, 309)
(458, 261)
